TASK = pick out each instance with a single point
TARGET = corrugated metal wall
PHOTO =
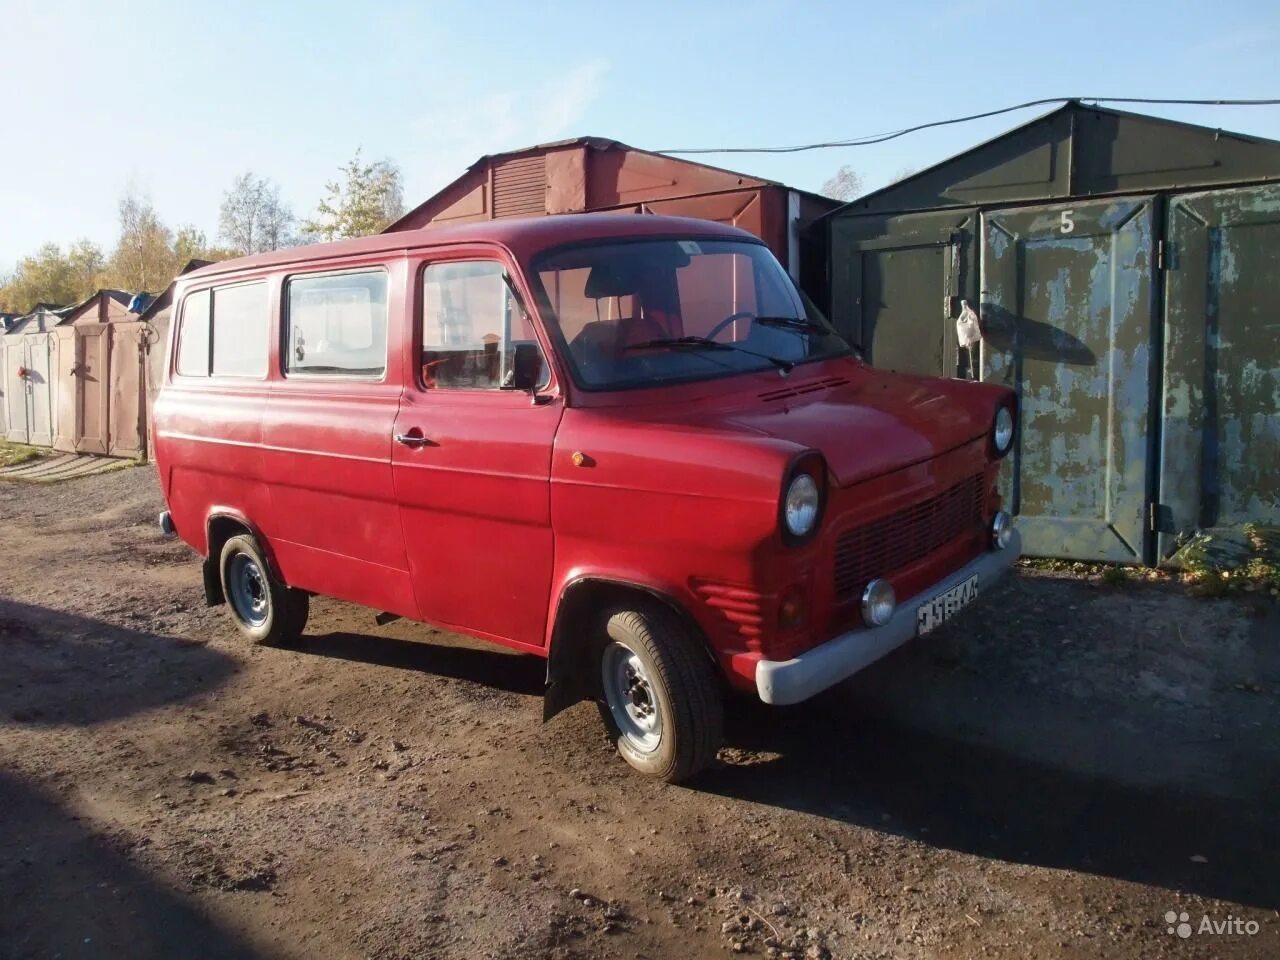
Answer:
(520, 187)
(1140, 329)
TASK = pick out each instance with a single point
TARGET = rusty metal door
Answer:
(1067, 317)
(126, 408)
(897, 284)
(66, 393)
(39, 351)
(92, 387)
(1220, 439)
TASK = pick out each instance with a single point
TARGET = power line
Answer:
(893, 135)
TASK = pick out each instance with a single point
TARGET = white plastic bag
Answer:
(967, 330)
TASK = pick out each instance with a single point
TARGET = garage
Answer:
(1125, 271)
(589, 174)
(73, 378)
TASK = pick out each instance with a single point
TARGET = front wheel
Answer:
(267, 611)
(659, 698)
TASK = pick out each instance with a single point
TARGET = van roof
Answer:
(524, 237)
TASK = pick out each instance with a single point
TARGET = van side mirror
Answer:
(526, 368)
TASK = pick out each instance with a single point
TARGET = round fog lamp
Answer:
(878, 602)
(1001, 530)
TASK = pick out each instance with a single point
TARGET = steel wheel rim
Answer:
(250, 596)
(632, 698)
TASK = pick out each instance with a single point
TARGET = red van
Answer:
(623, 443)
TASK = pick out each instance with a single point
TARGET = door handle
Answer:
(413, 440)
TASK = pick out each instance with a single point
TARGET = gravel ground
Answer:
(1096, 757)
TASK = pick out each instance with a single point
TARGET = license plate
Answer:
(944, 606)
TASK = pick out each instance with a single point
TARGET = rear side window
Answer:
(337, 325)
(193, 336)
(240, 336)
(224, 332)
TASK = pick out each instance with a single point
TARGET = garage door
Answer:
(40, 353)
(896, 287)
(1067, 313)
(1220, 449)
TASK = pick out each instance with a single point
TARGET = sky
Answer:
(174, 99)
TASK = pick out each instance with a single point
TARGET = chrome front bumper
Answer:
(790, 681)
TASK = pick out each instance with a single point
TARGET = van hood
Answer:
(872, 422)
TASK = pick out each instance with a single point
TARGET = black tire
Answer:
(688, 698)
(283, 613)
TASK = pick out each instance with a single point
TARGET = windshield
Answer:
(640, 313)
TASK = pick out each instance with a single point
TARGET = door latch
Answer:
(414, 440)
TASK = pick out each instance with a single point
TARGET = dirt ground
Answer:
(1097, 757)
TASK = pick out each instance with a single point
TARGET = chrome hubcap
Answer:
(248, 588)
(631, 697)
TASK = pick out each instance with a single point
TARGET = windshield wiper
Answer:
(785, 366)
(795, 323)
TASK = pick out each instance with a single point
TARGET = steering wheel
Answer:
(731, 318)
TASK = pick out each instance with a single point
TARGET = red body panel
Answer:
(514, 498)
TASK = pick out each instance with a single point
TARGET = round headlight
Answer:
(1002, 433)
(878, 603)
(800, 508)
(1001, 530)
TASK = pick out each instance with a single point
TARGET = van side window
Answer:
(240, 321)
(193, 336)
(336, 324)
(475, 335)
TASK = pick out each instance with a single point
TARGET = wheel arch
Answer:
(570, 674)
(221, 524)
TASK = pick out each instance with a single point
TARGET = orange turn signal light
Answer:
(791, 611)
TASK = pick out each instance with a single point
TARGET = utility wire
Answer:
(893, 135)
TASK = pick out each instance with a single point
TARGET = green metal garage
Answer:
(1126, 274)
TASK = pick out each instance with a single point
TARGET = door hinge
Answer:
(1163, 255)
(1160, 518)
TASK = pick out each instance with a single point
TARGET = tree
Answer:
(369, 200)
(844, 185)
(147, 257)
(253, 218)
(190, 244)
(48, 276)
(143, 258)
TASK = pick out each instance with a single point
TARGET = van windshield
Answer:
(636, 313)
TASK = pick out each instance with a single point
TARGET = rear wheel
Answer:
(660, 698)
(267, 611)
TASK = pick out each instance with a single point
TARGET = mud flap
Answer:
(566, 684)
(212, 582)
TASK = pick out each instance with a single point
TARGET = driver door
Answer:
(472, 454)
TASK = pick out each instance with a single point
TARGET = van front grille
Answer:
(895, 542)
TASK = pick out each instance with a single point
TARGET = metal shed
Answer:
(100, 356)
(1126, 271)
(73, 377)
(595, 174)
(28, 352)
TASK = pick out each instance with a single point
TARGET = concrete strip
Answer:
(38, 465)
(65, 467)
(53, 469)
